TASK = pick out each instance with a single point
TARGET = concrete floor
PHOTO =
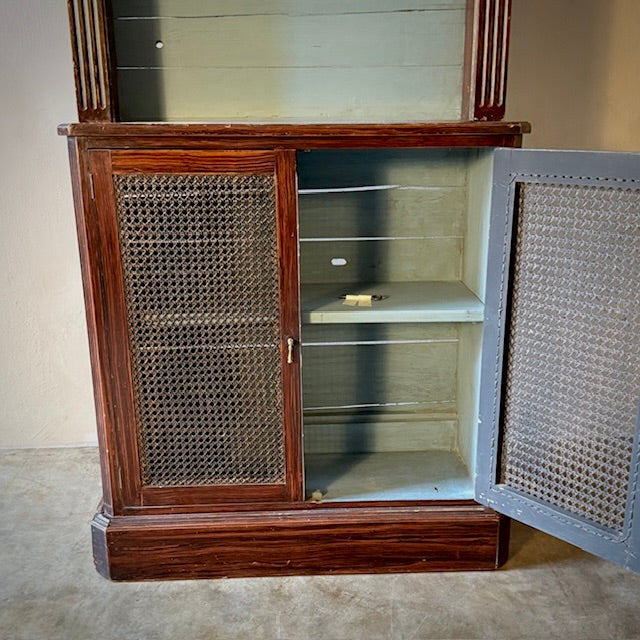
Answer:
(49, 589)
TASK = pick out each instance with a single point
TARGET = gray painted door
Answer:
(559, 419)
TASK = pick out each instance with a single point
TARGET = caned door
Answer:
(195, 274)
(558, 433)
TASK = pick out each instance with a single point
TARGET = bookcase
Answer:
(300, 283)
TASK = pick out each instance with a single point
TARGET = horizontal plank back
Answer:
(278, 61)
(408, 260)
(222, 8)
(413, 201)
(401, 212)
(373, 374)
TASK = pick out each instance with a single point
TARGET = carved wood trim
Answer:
(91, 45)
(486, 52)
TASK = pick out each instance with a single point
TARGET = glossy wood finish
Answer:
(156, 533)
(356, 540)
(112, 332)
(486, 52)
(93, 299)
(258, 506)
(299, 136)
(172, 161)
(93, 59)
(287, 205)
(108, 325)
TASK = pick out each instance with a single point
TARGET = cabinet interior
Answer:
(390, 391)
(289, 60)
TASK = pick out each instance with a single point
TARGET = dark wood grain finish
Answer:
(211, 495)
(172, 161)
(92, 49)
(115, 374)
(82, 198)
(214, 143)
(504, 534)
(99, 548)
(302, 136)
(112, 366)
(368, 540)
(257, 506)
(486, 52)
(287, 206)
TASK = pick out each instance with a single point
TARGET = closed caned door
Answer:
(200, 267)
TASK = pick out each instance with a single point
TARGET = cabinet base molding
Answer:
(334, 540)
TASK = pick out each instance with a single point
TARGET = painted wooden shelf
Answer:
(406, 302)
(407, 475)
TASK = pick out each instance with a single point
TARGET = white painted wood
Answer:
(478, 211)
(429, 213)
(371, 374)
(290, 95)
(468, 390)
(424, 475)
(355, 437)
(378, 413)
(397, 260)
(342, 262)
(404, 167)
(374, 187)
(199, 8)
(313, 333)
(389, 39)
(407, 302)
(354, 343)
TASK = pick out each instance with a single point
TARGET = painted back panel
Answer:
(290, 61)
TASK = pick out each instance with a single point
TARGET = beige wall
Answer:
(45, 385)
(574, 75)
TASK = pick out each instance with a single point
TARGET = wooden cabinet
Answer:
(315, 346)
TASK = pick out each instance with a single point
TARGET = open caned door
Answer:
(558, 434)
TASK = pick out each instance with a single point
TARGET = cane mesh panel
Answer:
(572, 379)
(201, 283)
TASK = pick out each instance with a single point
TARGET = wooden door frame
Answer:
(92, 170)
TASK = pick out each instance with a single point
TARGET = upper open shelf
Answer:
(404, 302)
(299, 60)
(290, 60)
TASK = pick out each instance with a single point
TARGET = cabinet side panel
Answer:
(83, 204)
(111, 329)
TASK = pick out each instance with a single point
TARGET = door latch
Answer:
(290, 343)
